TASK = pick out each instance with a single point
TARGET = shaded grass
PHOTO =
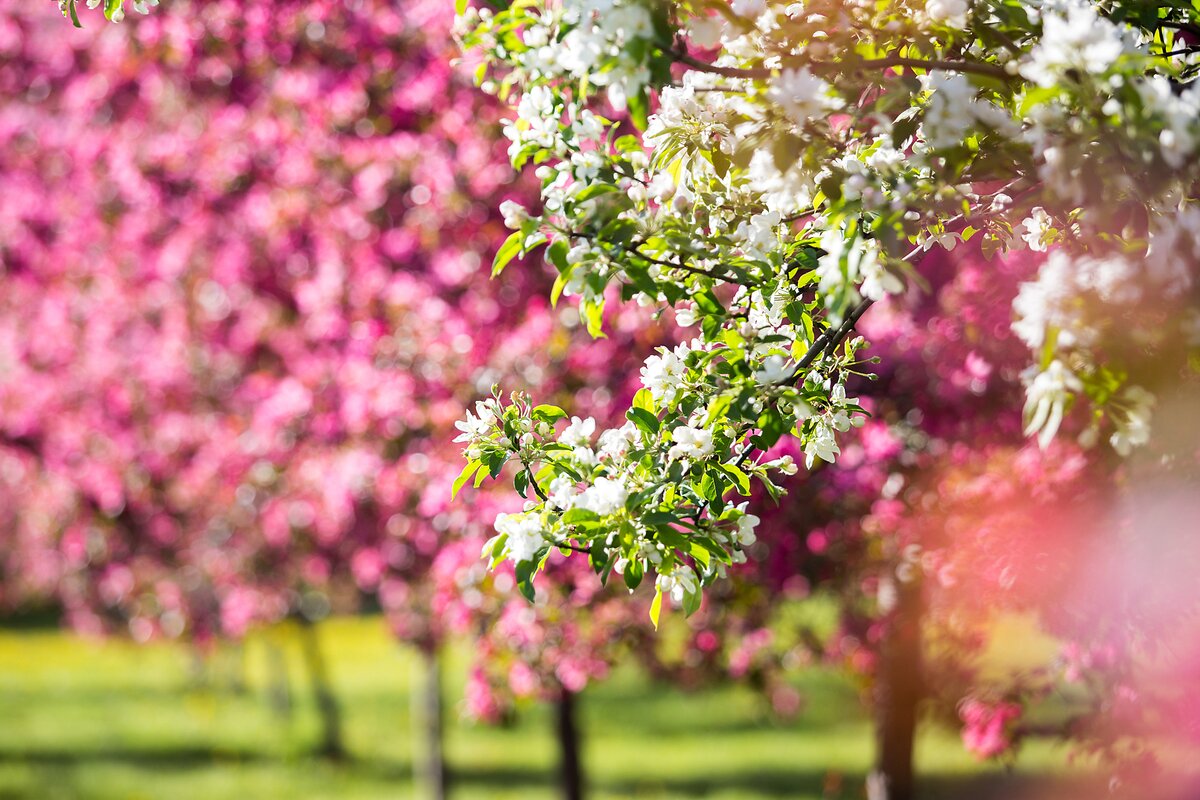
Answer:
(107, 721)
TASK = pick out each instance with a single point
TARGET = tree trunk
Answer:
(899, 688)
(567, 729)
(279, 688)
(330, 744)
(429, 758)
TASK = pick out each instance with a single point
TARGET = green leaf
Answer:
(460, 7)
(479, 476)
(560, 283)
(464, 476)
(576, 516)
(633, 574)
(557, 254)
(639, 108)
(772, 425)
(548, 413)
(524, 572)
(495, 463)
(644, 420)
(656, 608)
(593, 317)
(619, 231)
(707, 302)
(740, 478)
(111, 7)
(718, 407)
(74, 14)
(497, 552)
(673, 538)
(506, 253)
(644, 400)
(595, 190)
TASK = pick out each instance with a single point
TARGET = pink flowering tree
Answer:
(235, 328)
(260, 325)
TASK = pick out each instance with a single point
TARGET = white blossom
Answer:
(785, 464)
(1079, 39)
(1135, 407)
(525, 535)
(691, 442)
(952, 13)
(822, 445)
(562, 492)
(473, 428)
(677, 584)
(1046, 396)
(605, 496)
(750, 9)
(802, 96)
(774, 370)
(746, 525)
(513, 213)
(877, 281)
(614, 442)
(663, 374)
(578, 433)
(1035, 229)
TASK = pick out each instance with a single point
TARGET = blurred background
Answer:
(243, 300)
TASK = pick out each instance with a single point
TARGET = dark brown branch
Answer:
(827, 342)
(1186, 27)
(533, 482)
(759, 73)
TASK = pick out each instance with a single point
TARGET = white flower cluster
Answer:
(526, 535)
(1071, 306)
(537, 122)
(954, 108)
(596, 44)
(698, 109)
(663, 374)
(1074, 39)
(140, 6)
(839, 417)
(802, 96)
(950, 13)
(1047, 396)
(853, 263)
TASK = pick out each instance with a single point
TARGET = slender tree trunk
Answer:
(198, 668)
(428, 727)
(899, 689)
(331, 744)
(236, 665)
(567, 729)
(279, 688)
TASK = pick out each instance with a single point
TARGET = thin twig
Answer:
(932, 64)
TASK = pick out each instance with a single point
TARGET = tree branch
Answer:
(932, 64)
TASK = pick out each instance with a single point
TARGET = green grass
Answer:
(108, 720)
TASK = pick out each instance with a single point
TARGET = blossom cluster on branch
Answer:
(764, 172)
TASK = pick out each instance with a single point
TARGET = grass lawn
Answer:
(84, 719)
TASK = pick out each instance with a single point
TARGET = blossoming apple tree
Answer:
(780, 168)
(765, 173)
